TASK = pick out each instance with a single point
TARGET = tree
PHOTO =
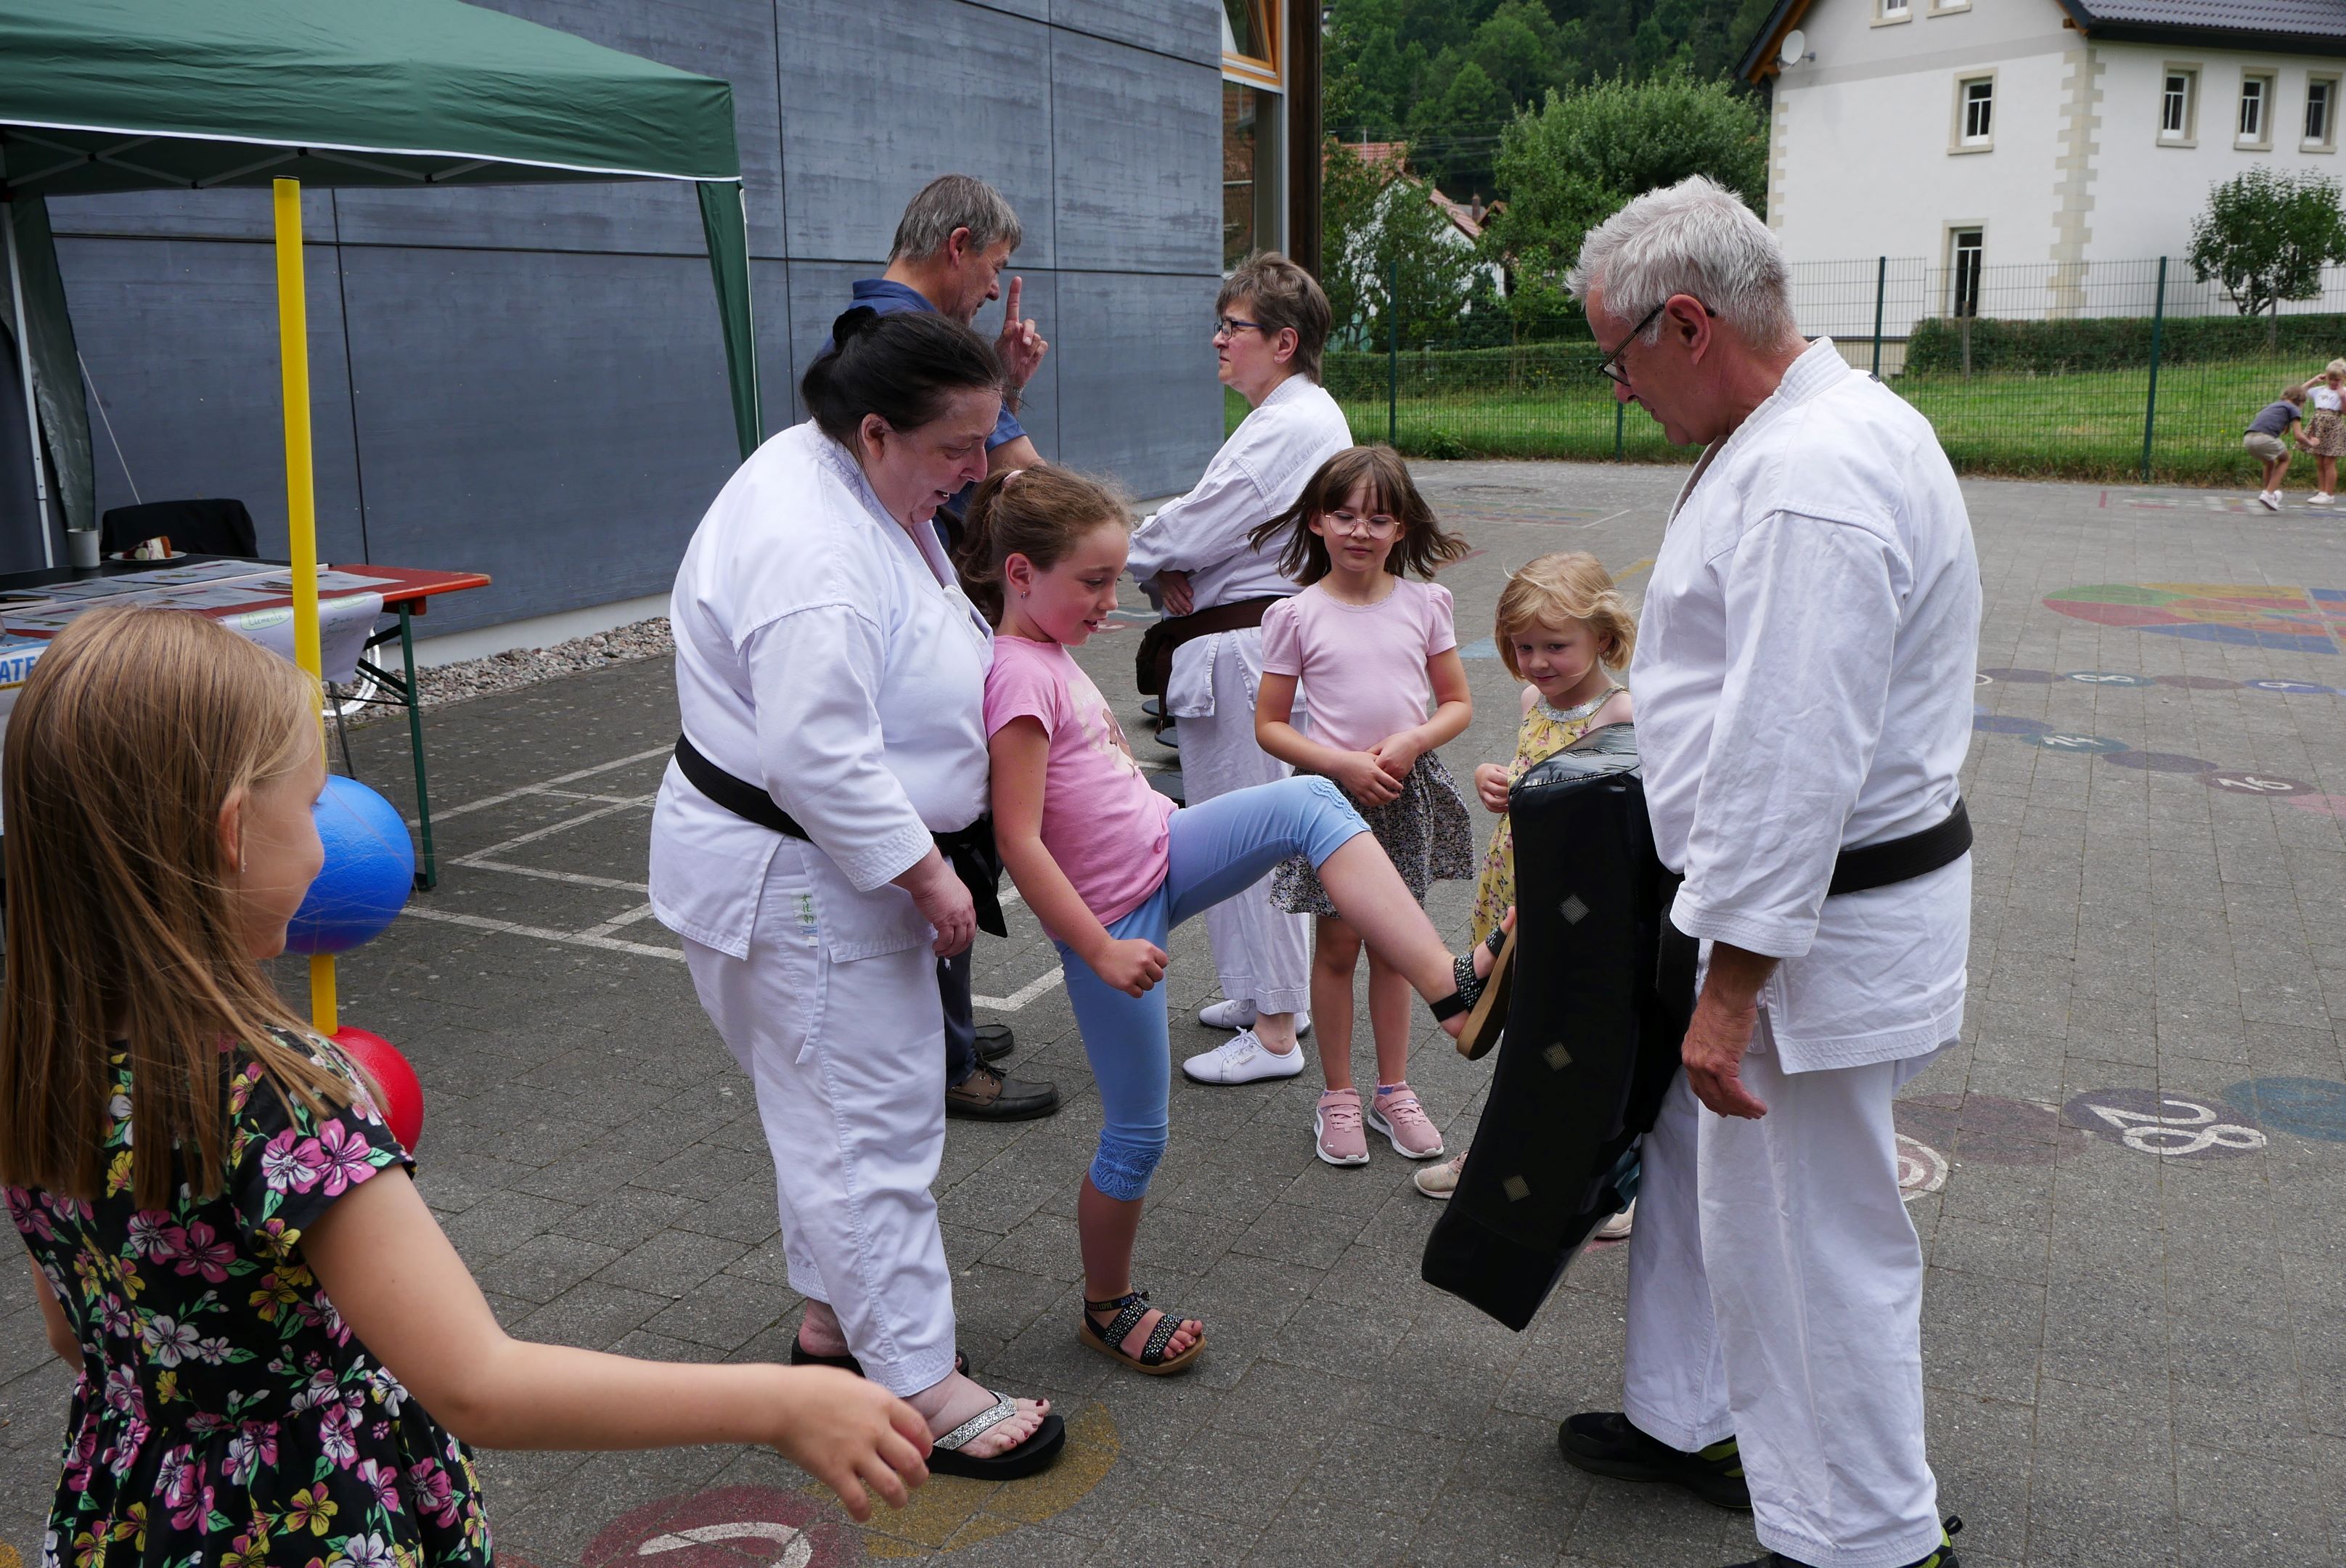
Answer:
(1584, 155)
(1379, 225)
(2266, 236)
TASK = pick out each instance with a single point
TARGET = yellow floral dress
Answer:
(1545, 732)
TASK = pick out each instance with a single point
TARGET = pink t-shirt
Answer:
(1101, 821)
(1361, 668)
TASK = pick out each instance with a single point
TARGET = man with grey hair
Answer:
(1803, 679)
(950, 247)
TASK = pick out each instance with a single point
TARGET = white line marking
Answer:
(573, 938)
(551, 829)
(578, 879)
(483, 805)
(1020, 997)
(641, 912)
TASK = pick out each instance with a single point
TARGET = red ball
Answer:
(402, 1104)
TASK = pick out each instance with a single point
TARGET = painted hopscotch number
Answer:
(2163, 1125)
(1921, 1169)
(2258, 784)
(2078, 745)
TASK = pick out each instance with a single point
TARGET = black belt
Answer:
(970, 851)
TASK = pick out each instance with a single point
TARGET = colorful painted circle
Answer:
(2320, 805)
(2308, 1107)
(730, 1527)
(1985, 1128)
(2106, 677)
(2150, 1122)
(2243, 782)
(2243, 614)
(2160, 762)
(2075, 744)
(1921, 1169)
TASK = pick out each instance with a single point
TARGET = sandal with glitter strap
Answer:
(1037, 1451)
(1482, 997)
(1129, 1309)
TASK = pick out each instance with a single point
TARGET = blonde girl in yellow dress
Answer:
(1563, 628)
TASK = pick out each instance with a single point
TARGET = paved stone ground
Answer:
(2135, 1324)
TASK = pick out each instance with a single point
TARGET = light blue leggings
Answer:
(1218, 849)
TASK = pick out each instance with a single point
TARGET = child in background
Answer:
(2269, 438)
(1364, 643)
(1562, 627)
(282, 1360)
(1110, 867)
(2325, 431)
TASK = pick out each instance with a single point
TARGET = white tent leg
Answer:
(32, 408)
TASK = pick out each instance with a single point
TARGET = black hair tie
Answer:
(851, 322)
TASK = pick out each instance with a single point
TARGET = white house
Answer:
(2080, 136)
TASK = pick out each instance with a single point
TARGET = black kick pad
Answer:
(1591, 1039)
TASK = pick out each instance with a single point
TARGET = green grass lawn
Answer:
(2082, 426)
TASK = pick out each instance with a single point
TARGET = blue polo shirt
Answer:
(884, 297)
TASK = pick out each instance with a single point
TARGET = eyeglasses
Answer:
(1376, 528)
(1610, 366)
(1231, 326)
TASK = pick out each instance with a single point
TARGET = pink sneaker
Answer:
(1397, 1115)
(1336, 1126)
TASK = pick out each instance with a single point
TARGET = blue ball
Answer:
(368, 872)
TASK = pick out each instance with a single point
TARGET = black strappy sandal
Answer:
(1130, 1308)
(1038, 1451)
(802, 1356)
(1483, 998)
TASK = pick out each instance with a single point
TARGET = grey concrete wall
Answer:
(530, 382)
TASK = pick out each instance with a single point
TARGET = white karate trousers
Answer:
(1261, 955)
(846, 1059)
(1795, 1323)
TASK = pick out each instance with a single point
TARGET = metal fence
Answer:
(2113, 371)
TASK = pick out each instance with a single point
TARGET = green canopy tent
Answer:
(184, 95)
(104, 96)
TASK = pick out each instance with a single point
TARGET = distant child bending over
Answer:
(1563, 628)
(2269, 438)
(1110, 867)
(1364, 643)
(281, 1358)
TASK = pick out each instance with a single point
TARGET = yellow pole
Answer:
(300, 505)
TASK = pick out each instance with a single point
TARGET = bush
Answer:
(2080, 343)
(1526, 368)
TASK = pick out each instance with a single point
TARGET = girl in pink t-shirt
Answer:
(1366, 644)
(1110, 867)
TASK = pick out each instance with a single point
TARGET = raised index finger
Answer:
(1010, 301)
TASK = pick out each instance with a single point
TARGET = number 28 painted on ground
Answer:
(2195, 1128)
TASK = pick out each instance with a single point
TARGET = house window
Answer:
(2179, 106)
(1894, 10)
(1978, 111)
(2321, 114)
(1964, 271)
(2255, 127)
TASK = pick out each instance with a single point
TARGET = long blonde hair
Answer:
(124, 933)
(1568, 585)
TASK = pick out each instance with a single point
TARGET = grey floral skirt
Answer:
(1424, 830)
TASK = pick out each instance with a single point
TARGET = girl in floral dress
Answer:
(281, 1358)
(1562, 627)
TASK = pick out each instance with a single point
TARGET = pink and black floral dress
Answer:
(225, 1414)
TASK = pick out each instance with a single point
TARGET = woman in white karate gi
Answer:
(832, 675)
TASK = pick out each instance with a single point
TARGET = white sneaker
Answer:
(1618, 1227)
(1242, 1059)
(2271, 500)
(1240, 1015)
(2319, 498)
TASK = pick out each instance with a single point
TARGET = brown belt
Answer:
(1152, 662)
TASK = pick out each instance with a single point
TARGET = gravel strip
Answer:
(518, 667)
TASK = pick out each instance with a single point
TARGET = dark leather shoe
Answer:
(985, 1095)
(994, 1042)
(1603, 1442)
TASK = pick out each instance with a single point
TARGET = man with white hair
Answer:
(1803, 678)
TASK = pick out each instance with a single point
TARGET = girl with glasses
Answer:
(1365, 645)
